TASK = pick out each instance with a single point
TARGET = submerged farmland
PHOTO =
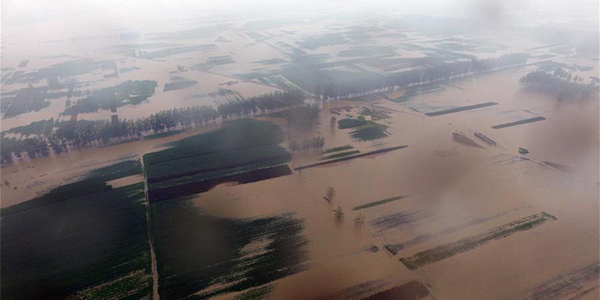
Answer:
(200, 255)
(242, 151)
(81, 240)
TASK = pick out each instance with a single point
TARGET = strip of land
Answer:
(444, 251)
(459, 109)
(350, 157)
(519, 122)
(378, 202)
(577, 282)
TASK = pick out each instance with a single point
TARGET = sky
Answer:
(43, 20)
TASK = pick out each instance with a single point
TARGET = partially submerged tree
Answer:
(329, 194)
(359, 220)
(338, 213)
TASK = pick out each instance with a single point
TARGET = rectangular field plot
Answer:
(531, 120)
(242, 151)
(378, 202)
(459, 109)
(83, 240)
(444, 251)
(200, 256)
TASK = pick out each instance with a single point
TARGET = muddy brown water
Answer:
(448, 180)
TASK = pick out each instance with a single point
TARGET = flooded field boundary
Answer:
(531, 120)
(568, 284)
(154, 265)
(448, 250)
(384, 150)
(378, 202)
(460, 108)
(410, 290)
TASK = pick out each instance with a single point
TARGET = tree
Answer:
(359, 220)
(329, 194)
(332, 121)
(338, 213)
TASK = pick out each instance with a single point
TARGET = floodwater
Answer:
(471, 191)
(448, 185)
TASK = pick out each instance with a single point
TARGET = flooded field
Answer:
(401, 162)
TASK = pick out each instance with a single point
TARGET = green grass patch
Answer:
(351, 123)
(341, 154)
(378, 202)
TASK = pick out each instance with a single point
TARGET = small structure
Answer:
(523, 151)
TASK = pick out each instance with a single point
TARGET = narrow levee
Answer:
(155, 294)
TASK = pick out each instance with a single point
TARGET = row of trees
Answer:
(77, 134)
(434, 72)
(69, 135)
(316, 142)
(262, 104)
(560, 83)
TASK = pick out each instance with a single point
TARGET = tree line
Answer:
(262, 104)
(307, 144)
(560, 83)
(434, 72)
(69, 135)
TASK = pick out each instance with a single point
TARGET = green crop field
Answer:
(81, 240)
(350, 123)
(201, 256)
(241, 151)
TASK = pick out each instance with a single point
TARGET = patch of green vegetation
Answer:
(118, 170)
(327, 39)
(178, 50)
(341, 154)
(371, 131)
(378, 202)
(413, 91)
(350, 123)
(303, 117)
(81, 240)
(375, 114)
(218, 161)
(69, 68)
(93, 183)
(43, 127)
(128, 92)
(203, 255)
(237, 151)
(27, 100)
(179, 85)
(447, 250)
(336, 149)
